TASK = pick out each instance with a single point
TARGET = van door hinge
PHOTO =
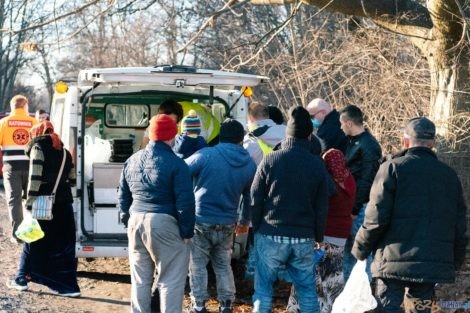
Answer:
(179, 83)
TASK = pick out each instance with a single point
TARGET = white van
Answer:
(102, 119)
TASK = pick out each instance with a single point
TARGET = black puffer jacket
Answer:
(362, 157)
(415, 220)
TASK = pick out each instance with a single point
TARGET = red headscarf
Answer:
(336, 165)
(46, 129)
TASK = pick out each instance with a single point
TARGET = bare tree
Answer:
(439, 28)
(11, 46)
(127, 36)
(25, 27)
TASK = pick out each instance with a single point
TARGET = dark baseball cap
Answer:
(420, 128)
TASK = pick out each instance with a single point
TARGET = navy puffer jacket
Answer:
(156, 180)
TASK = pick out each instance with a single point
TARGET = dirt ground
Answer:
(105, 285)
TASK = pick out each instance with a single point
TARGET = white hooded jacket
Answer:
(273, 135)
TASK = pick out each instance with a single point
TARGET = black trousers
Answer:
(396, 296)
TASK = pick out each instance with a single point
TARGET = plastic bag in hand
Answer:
(357, 295)
(29, 230)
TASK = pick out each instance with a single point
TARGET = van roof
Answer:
(168, 75)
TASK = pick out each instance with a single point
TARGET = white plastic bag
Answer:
(357, 295)
(94, 129)
(97, 150)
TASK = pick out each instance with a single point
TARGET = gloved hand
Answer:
(124, 217)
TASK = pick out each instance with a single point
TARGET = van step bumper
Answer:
(102, 248)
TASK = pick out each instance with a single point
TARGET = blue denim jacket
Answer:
(156, 180)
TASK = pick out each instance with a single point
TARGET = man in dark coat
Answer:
(362, 157)
(415, 223)
(289, 208)
(326, 120)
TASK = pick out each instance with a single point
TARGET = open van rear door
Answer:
(169, 75)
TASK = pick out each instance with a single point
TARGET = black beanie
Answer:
(231, 131)
(276, 115)
(299, 124)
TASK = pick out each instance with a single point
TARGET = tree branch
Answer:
(35, 26)
(406, 17)
(271, 34)
(449, 22)
(229, 6)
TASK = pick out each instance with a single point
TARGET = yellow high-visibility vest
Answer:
(265, 148)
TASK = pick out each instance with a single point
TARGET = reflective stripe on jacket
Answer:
(14, 135)
(265, 148)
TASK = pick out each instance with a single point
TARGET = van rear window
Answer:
(127, 115)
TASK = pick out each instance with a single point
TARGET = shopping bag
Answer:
(42, 207)
(357, 295)
(29, 230)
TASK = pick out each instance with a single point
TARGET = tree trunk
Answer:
(447, 52)
(450, 99)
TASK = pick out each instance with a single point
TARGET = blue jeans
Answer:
(299, 262)
(348, 259)
(214, 243)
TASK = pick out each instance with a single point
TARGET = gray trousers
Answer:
(155, 243)
(16, 185)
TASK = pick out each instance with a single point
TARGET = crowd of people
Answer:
(314, 185)
(306, 186)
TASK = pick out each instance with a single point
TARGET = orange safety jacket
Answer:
(14, 135)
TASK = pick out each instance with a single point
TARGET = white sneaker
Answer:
(12, 284)
(70, 294)
(67, 294)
